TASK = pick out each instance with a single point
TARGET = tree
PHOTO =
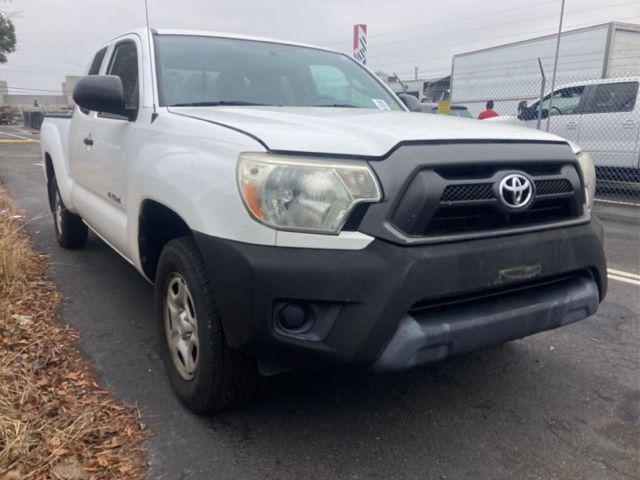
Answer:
(7, 37)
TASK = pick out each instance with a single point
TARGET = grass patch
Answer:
(56, 422)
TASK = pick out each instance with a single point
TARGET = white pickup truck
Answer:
(291, 212)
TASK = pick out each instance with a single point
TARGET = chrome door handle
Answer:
(572, 124)
(629, 124)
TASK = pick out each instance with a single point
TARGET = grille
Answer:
(553, 187)
(460, 202)
(473, 300)
(467, 192)
(473, 218)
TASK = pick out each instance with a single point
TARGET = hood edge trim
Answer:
(230, 127)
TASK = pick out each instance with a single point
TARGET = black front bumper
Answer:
(361, 298)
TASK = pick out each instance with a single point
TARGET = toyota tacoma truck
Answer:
(291, 212)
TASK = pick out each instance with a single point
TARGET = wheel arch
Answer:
(158, 224)
(49, 172)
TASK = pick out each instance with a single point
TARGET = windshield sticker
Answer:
(381, 104)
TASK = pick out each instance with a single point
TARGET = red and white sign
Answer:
(360, 43)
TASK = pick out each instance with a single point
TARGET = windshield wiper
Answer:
(221, 103)
(337, 105)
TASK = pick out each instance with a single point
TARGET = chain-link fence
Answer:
(601, 115)
(593, 102)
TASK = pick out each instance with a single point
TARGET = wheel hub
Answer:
(181, 326)
(58, 210)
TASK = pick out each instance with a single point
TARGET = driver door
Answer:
(113, 149)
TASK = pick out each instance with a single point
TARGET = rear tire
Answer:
(205, 372)
(71, 232)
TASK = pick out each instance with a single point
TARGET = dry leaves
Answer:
(55, 420)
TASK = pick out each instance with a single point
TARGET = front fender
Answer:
(189, 166)
(201, 188)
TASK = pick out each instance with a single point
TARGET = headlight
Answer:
(293, 193)
(588, 172)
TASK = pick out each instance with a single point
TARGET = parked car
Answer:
(603, 116)
(455, 111)
(291, 212)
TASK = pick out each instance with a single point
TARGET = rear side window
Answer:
(612, 97)
(94, 68)
(124, 64)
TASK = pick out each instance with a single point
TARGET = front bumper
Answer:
(387, 305)
(435, 334)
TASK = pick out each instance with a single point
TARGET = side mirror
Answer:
(411, 102)
(100, 93)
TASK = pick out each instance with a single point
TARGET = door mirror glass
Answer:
(411, 102)
(100, 93)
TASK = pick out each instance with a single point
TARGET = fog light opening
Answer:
(295, 317)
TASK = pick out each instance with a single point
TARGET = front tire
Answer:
(71, 232)
(205, 372)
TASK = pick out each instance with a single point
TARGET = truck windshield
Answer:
(215, 71)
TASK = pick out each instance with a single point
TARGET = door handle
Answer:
(88, 140)
(571, 124)
(628, 124)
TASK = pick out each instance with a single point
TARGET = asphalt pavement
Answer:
(559, 405)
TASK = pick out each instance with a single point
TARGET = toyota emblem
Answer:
(516, 191)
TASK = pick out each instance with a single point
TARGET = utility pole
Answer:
(555, 65)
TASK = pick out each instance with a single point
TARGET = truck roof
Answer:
(142, 31)
(598, 81)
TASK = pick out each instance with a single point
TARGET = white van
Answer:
(602, 115)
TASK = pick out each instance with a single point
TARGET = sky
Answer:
(58, 37)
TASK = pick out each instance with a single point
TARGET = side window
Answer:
(564, 101)
(612, 97)
(124, 64)
(94, 68)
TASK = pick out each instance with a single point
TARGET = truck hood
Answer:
(504, 119)
(353, 131)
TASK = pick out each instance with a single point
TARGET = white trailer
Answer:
(508, 74)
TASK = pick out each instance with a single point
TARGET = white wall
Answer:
(624, 57)
(510, 73)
